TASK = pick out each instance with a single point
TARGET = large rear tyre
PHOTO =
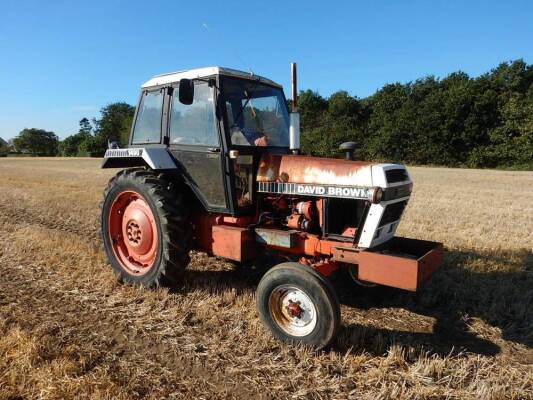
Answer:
(298, 305)
(145, 228)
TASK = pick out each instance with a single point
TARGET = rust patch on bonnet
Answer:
(314, 170)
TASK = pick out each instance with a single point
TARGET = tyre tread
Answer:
(173, 215)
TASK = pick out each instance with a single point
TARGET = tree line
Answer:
(455, 121)
(91, 140)
(483, 122)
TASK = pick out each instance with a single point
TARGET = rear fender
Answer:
(155, 158)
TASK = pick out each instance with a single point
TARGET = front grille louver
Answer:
(396, 175)
(393, 212)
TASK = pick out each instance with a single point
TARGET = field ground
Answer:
(68, 330)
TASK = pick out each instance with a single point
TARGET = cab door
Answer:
(194, 140)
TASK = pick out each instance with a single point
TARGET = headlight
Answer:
(375, 195)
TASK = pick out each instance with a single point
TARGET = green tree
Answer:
(94, 146)
(342, 105)
(389, 124)
(75, 145)
(115, 122)
(37, 142)
(85, 126)
(326, 123)
(511, 142)
(312, 108)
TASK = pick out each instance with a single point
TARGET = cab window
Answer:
(148, 124)
(194, 124)
(257, 114)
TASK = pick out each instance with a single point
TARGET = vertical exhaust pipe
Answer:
(294, 128)
(294, 88)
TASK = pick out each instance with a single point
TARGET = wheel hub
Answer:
(133, 230)
(133, 233)
(138, 229)
(292, 310)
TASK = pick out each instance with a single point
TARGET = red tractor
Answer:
(213, 164)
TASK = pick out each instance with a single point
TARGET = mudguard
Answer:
(156, 158)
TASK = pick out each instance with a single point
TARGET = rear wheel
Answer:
(145, 228)
(298, 305)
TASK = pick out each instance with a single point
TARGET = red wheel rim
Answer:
(133, 233)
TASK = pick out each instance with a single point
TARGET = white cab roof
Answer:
(172, 77)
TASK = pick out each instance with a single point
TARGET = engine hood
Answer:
(314, 170)
(326, 177)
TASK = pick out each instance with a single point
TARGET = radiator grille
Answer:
(392, 213)
(396, 175)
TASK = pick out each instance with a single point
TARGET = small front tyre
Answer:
(298, 305)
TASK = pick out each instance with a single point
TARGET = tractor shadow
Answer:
(496, 288)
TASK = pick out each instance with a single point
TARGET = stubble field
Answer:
(69, 330)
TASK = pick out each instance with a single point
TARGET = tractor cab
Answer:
(217, 123)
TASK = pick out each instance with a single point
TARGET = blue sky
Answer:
(63, 60)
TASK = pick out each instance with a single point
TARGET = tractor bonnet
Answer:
(312, 176)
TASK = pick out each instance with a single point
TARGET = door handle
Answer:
(213, 149)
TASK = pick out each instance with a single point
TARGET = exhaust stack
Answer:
(294, 128)
(294, 89)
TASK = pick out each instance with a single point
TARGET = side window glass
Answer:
(148, 124)
(229, 109)
(194, 124)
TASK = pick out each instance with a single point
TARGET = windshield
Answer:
(257, 114)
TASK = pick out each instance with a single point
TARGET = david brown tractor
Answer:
(213, 164)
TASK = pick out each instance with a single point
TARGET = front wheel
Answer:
(298, 305)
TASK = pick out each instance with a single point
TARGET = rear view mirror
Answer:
(186, 91)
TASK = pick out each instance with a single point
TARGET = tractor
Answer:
(213, 164)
